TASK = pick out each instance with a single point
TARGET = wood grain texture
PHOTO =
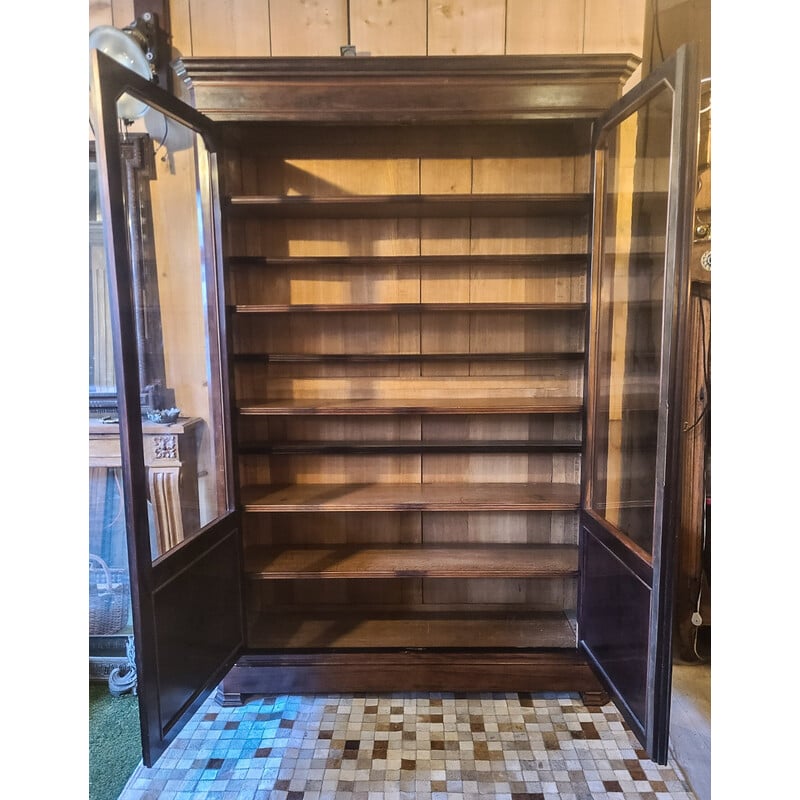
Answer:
(466, 27)
(452, 561)
(412, 433)
(394, 27)
(263, 263)
(410, 497)
(308, 27)
(614, 26)
(422, 629)
(320, 528)
(180, 274)
(410, 467)
(230, 27)
(375, 358)
(544, 26)
(400, 595)
(412, 308)
(101, 13)
(393, 90)
(434, 394)
(500, 528)
(389, 27)
(180, 24)
(394, 406)
(343, 177)
(399, 205)
(272, 447)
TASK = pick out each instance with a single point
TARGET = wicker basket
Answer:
(109, 598)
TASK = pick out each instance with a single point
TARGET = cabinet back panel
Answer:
(533, 468)
(329, 283)
(545, 138)
(410, 527)
(545, 174)
(330, 429)
(335, 333)
(400, 613)
(504, 527)
(288, 238)
(535, 284)
(295, 160)
(277, 157)
(395, 593)
(531, 236)
(325, 469)
(411, 428)
(321, 528)
(295, 238)
(421, 388)
(369, 332)
(281, 470)
(377, 282)
(339, 177)
(541, 594)
(256, 380)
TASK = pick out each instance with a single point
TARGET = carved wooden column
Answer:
(170, 454)
(172, 495)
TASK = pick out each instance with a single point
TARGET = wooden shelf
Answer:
(411, 497)
(368, 358)
(372, 629)
(407, 448)
(423, 561)
(408, 405)
(578, 260)
(408, 205)
(402, 308)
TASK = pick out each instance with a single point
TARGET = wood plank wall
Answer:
(393, 27)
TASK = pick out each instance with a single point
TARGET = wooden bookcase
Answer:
(406, 245)
(422, 281)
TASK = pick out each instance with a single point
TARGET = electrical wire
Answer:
(164, 140)
(656, 29)
(704, 413)
(706, 377)
(704, 541)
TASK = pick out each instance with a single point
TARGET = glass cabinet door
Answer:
(644, 167)
(168, 324)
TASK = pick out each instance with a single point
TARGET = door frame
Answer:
(679, 73)
(150, 576)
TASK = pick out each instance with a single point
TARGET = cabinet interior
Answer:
(407, 324)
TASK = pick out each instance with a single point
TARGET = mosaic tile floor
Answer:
(436, 746)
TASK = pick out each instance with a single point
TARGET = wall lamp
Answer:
(137, 47)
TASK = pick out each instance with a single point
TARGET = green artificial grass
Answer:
(115, 746)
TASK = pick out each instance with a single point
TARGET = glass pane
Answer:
(102, 383)
(179, 375)
(110, 612)
(629, 319)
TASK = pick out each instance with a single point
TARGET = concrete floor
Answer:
(690, 724)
